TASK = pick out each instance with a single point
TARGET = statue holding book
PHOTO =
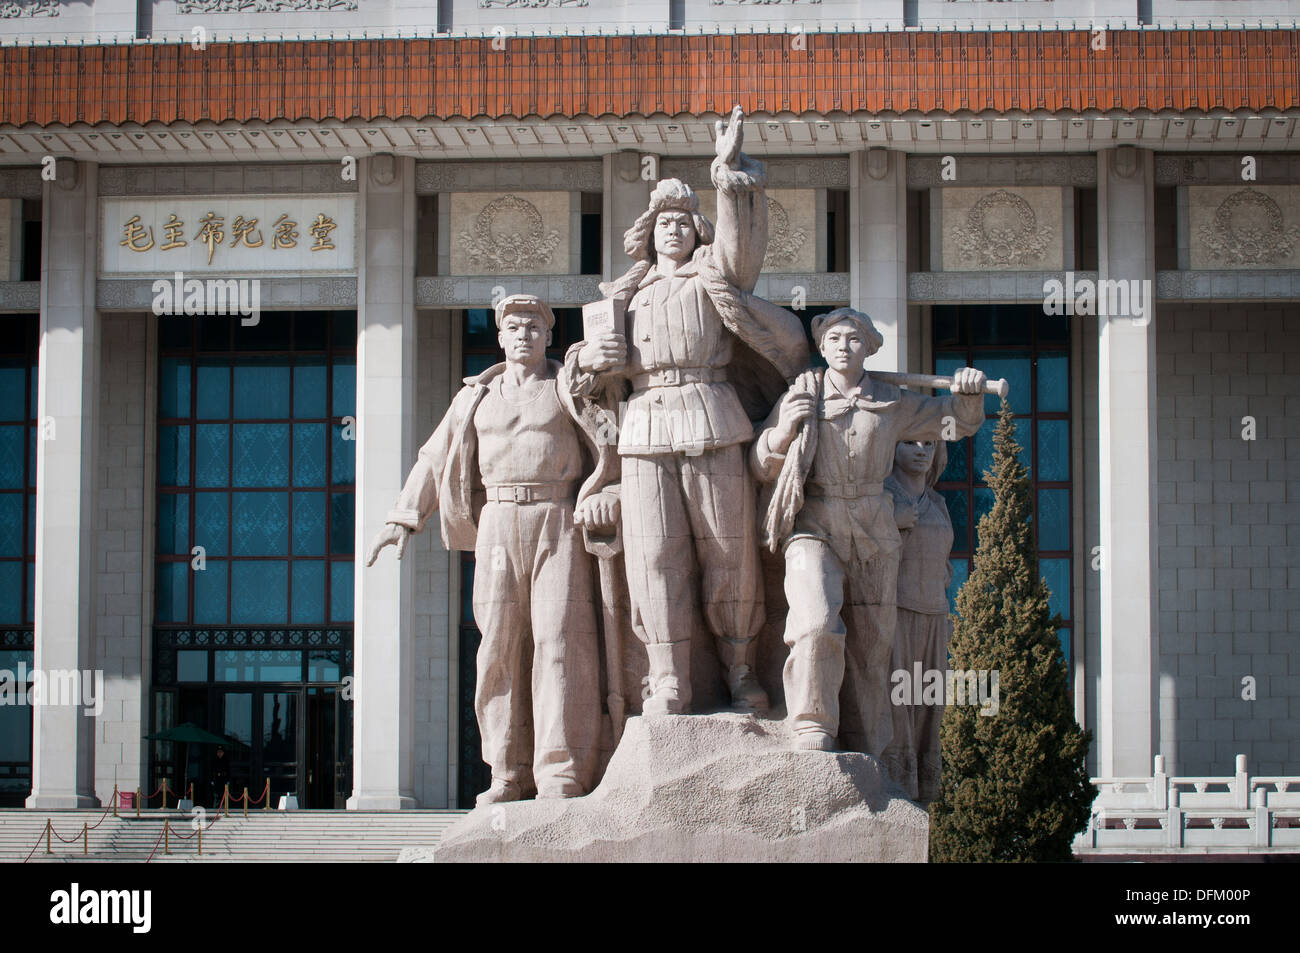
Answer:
(697, 357)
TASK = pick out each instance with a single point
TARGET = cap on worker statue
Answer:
(524, 304)
(824, 322)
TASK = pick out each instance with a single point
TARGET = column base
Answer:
(382, 802)
(60, 802)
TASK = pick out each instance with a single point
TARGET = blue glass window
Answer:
(261, 455)
(11, 588)
(174, 388)
(345, 456)
(309, 381)
(341, 592)
(309, 453)
(173, 523)
(192, 666)
(958, 512)
(960, 572)
(12, 449)
(212, 455)
(259, 524)
(214, 392)
(172, 592)
(1057, 574)
(11, 524)
(210, 593)
(259, 591)
(1054, 450)
(345, 388)
(1053, 383)
(308, 591)
(1053, 517)
(341, 523)
(958, 468)
(261, 391)
(270, 424)
(212, 522)
(1031, 351)
(174, 455)
(309, 524)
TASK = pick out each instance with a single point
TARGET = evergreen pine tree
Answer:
(1015, 786)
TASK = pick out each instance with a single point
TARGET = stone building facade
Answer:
(956, 185)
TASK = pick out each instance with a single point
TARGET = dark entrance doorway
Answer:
(289, 706)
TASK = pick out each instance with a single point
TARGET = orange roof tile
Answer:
(626, 76)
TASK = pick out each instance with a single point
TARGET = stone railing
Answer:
(1235, 814)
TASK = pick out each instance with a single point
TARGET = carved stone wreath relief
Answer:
(1248, 229)
(509, 235)
(10, 9)
(1002, 231)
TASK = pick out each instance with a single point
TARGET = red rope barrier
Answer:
(155, 845)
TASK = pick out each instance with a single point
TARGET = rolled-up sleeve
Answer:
(419, 497)
(765, 463)
(740, 241)
(926, 418)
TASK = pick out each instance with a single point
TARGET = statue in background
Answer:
(503, 468)
(702, 358)
(828, 447)
(923, 628)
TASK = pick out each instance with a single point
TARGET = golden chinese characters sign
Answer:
(229, 235)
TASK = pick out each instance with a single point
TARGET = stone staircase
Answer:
(264, 836)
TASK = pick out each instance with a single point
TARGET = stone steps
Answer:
(264, 836)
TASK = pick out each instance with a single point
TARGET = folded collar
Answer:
(689, 270)
(835, 404)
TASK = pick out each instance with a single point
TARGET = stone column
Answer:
(383, 714)
(878, 250)
(1126, 713)
(63, 774)
(627, 195)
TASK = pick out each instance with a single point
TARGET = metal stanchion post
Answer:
(167, 836)
(48, 825)
(137, 802)
(85, 838)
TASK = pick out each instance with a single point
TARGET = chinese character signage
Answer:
(229, 234)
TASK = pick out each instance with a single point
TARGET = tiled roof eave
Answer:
(847, 74)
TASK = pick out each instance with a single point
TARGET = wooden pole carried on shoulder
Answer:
(998, 388)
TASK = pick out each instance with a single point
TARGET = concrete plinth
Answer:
(690, 788)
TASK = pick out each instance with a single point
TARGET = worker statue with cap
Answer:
(504, 470)
(702, 361)
(827, 447)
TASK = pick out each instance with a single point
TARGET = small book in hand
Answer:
(603, 317)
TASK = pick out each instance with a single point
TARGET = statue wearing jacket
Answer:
(828, 447)
(505, 470)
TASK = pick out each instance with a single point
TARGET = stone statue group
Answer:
(634, 487)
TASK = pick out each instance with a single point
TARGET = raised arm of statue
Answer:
(740, 240)
(927, 418)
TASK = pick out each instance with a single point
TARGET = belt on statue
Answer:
(845, 491)
(672, 376)
(529, 492)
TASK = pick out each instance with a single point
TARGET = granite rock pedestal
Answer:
(721, 787)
